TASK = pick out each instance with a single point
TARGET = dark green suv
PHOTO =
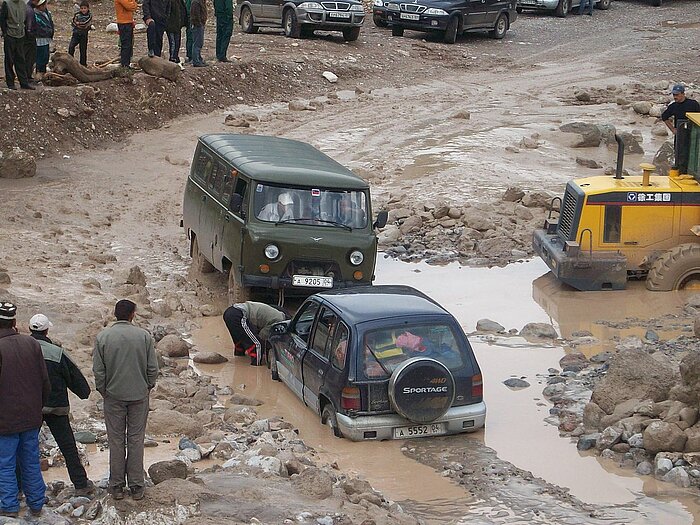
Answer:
(278, 214)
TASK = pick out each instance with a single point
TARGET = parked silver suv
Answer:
(561, 8)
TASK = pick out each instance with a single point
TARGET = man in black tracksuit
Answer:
(64, 375)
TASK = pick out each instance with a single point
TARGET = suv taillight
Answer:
(477, 386)
(350, 398)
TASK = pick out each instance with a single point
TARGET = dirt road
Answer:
(70, 232)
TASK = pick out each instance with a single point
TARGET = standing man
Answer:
(176, 21)
(29, 42)
(64, 375)
(198, 20)
(223, 10)
(24, 388)
(582, 7)
(125, 366)
(677, 109)
(125, 23)
(248, 323)
(13, 17)
(155, 15)
(188, 33)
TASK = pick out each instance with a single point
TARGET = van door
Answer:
(227, 244)
(316, 359)
(194, 192)
(209, 209)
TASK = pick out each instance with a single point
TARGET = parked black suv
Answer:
(452, 17)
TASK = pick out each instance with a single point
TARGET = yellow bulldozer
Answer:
(611, 229)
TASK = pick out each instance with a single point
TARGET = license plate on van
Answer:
(434, 429)
(311, 281)
(410, 16)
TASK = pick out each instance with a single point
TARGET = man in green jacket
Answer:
(223, 9)
(248, 323)
(125, 366)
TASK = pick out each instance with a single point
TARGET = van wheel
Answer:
(291, 26)
(351, 34)
(563, 8)
(675, 268)
(501, 27)
(603, 5)
(199, 262)
(396, 31)
(450, 36)
(246, 21)
(328, 417)
(236, 292)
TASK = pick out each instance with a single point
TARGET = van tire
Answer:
(674, 267)
(236, 292)
(329, 417)
(199, 262)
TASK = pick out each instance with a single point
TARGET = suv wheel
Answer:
(451, 30)
(501, 27)
(246, 21)
(563, 8)
(236, 292)
(350, 34)
(291, 26)
(272, 363)
(199, 263)
(603, 5)
(421, 389)
(329, 418)
(396, 30)
(378, 21)
(656, 3)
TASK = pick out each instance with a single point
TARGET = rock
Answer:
(389, 235)
(356, 486)
(631, 143)
(659, 130)
(462, 114)
(591, 135)
(300, 105)
(644, 468)
(487, 325)
(643, 108)
(93, 510)
(537, 199)
(241, 399)
(5, 278)
(678, 476)
(609, 437)
(112, 27)
(236, 121)
(85, 437)
(588, 163)
(529, 143)
(314, 482)
(192, 454)
(515, 382)
(330, 77)
(539, 331)
(633, 374)
(186, 443)
(582, 96)
(440, 211)
(662, 466)
(455, 213)
(477, 220)
(173, 345)
(587, 441)
(554, 390)
(592, 415)
(693, 442)
(399, 213)
(574, 362)
(663, 160)
(163, 422)
(16, 164)
(513, 194)
(664, 437)
(271, 465)
(411, 224)
(209, 358)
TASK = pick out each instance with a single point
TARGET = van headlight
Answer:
(272, 252)
(356, 258)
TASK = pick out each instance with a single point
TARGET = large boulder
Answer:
(633, 374)
(538, 331)
(690, 371)
(487, 325)
(16, 164)
(632, 143)
(693, 442)
(314, 482)
(664, 437)
(162, 470)
(663, 160)
(164, 422)
(173, 345)
(537, 199)
(209, 358)
(590, 135)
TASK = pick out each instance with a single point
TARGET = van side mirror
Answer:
(382, 217)
(236, 203)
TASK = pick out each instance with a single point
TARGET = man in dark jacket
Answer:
(198, 19)
(155, 15)
(63, 375)
(13, 17)
(24, 389)
(223, 10)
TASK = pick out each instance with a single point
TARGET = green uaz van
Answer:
(277, 214)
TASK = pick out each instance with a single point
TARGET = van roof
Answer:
(282, 161)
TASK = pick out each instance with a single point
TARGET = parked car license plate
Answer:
(434, 429)
(410, 16)
(311, 281)
(333, 14)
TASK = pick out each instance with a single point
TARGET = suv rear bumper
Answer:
(467, 418)
(321, 19)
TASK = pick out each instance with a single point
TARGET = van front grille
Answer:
(567, 216)
(315, 268)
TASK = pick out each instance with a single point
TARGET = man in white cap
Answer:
(24, 388)
(278, 211)
(64, 375)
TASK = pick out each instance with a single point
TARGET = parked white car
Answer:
(561, 8)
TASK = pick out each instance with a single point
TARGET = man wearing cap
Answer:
(24, 389)
(278, 211)
(678, 108)
(64, 375)
(125, 366)
(248, 323)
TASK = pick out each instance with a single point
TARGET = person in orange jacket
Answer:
(125, 22)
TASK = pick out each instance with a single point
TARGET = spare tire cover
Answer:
(421, 389)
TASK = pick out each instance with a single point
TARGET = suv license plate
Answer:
(410, 16)
(434, 429)
(333, 14)
(310, 281)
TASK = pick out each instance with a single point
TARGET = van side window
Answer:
(339, 346)
(227, 183)
(214, 177)
(304, 320)
(323, 333)
(241, 188)
(204, 165)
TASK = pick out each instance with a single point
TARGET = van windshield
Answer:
(347, 209)
(385, 349)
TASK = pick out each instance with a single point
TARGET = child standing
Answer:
(198, 19)
(82, 23)
(43, 29)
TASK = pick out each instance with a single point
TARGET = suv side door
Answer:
(495, 8)
(290, 353)
(316, 359)
(476, 15)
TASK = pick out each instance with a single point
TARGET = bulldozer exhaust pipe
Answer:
(620, 155)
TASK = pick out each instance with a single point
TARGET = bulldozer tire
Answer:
(674, 267)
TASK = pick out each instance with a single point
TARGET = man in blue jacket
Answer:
(64, 375)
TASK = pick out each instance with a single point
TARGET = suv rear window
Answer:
(385, 349)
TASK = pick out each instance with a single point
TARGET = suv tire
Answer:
(396, 30)
(421, 390)
(272, 362)
(501, 27)
(603, 5)
(656, 3)
(199, 263)
(563, 8)
(328, 417)
(350, 34)
(379, 22)
(290, 24)
(246, 21)
(450, 36)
